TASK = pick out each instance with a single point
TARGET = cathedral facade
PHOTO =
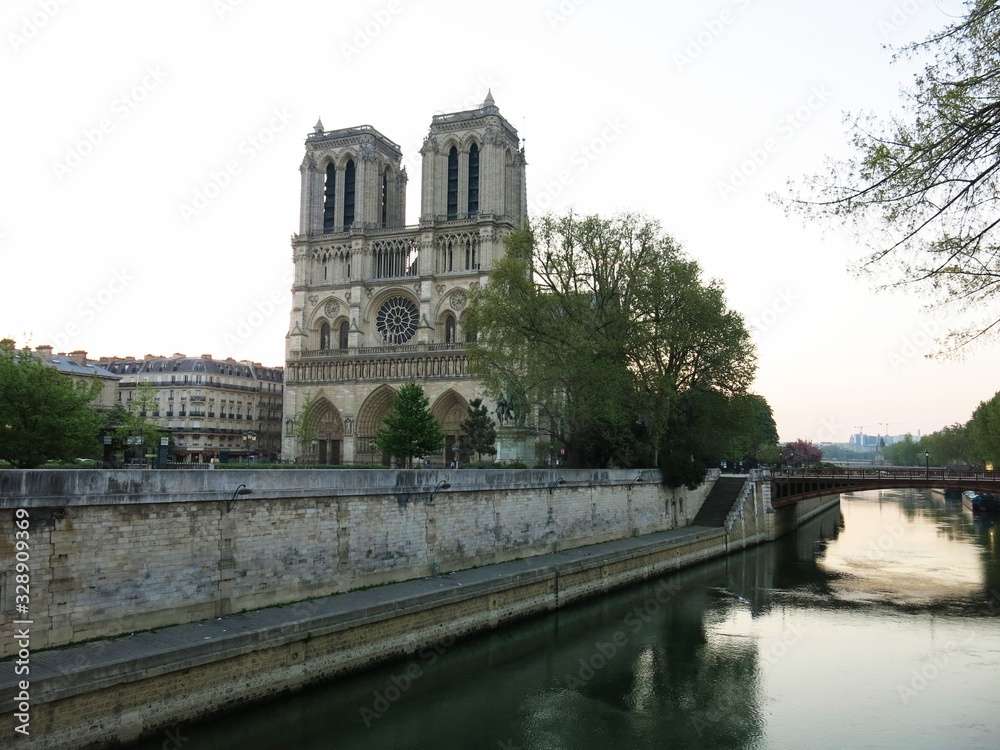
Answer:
(376, 303)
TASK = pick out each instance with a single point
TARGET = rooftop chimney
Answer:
(45, 352)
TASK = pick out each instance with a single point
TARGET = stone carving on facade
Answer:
(347, 296)
(459, 300)
(348, 426)
(367, 152)
(430, 145)
(491, 134)
(313, 298)
(474, 285)
(440, 288)
(416, 288)
(331, 308)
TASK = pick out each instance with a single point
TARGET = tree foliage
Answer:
(44, 415)
(410, 429)
(609, 334)
(479, 434)
(132, 427)
(984, 432)
(930, 178)
(801, 453)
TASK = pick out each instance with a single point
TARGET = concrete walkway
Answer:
(61, 673)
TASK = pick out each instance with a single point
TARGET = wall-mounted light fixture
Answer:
(241, 490)
(635, 481)
(442, 485)
(558, 483)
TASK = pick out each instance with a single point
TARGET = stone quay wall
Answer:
(116, 552)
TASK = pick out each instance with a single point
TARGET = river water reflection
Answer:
(874, 626)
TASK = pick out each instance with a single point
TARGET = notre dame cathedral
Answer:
(376, 303)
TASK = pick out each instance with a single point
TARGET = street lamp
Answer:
(927, 464)
(248, 437)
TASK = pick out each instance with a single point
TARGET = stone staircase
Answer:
(720, 501)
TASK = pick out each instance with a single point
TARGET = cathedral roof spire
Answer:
(489, 101)
(318, 127)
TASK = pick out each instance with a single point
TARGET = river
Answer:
(876, 625)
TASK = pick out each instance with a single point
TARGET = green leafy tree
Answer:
(303, 424)
(44, 415)
(906, 452)
(984, 432)
(608, 332)
(479, 433)
(930, 178)
(410, 429)
(133, 427)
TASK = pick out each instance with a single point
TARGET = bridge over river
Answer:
(789, 486)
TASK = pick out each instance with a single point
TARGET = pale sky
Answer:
(151, 151)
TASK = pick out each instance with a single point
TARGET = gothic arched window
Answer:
(343, 335)
(474, 180)
(453, 183)
(349, 173)
(329, 199)
(385, 197)
(324, 336)
(449, 329)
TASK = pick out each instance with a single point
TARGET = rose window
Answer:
(397, 320)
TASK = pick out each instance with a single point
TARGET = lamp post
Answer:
(927, 465)
(248, 438)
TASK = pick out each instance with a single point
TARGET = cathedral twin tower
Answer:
(377, 303)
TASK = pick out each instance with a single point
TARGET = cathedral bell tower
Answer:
(376, 303)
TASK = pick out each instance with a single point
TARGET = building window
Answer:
(330, 199)
(453, 183)
(324, 336)
(385, 198)
(343, 334)
(449, 329)
(474, 180)
(349, 195)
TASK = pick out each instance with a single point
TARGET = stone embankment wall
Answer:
(115, 552)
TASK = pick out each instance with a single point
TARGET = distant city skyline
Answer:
(151, 190)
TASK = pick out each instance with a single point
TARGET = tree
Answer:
(44, 415)
(984, 431)
(801, 453)
(133, 428)
(479, 435)
(410, 429)
(608, 332)
(303, 424)
(931, 178)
